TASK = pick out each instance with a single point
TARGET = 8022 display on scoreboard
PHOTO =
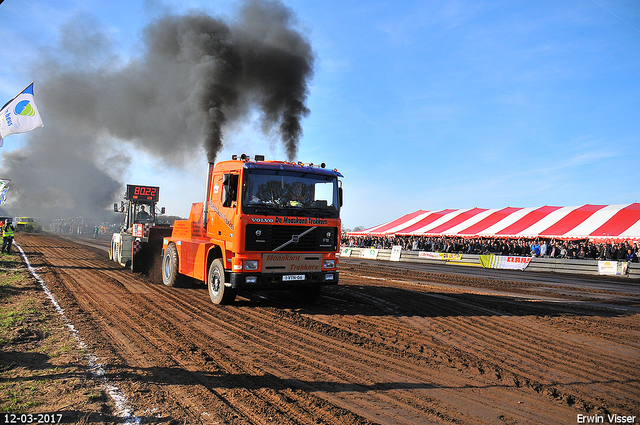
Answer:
(142, 193)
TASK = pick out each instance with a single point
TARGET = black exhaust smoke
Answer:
(197, 75)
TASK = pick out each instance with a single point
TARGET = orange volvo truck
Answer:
(263, 225)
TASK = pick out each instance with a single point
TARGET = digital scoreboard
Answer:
(142, 193)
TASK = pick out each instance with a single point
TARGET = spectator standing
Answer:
(609, 252)
(621, 253)
(7, 236)
(552, 249)
(535, 251)
(563, 251)
(582, 254)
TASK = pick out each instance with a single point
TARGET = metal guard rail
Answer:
(537, 264)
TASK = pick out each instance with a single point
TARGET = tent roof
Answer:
(596, 222)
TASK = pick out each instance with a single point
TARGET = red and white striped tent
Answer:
(594, 222)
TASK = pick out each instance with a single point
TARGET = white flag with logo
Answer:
(4, 188)
(20, 114)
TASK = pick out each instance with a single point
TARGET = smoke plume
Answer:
(195, 77)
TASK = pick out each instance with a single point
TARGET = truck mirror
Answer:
(340, 196)
(115, 207)
(162, 210)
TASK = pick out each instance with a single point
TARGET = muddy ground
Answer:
(385, 346)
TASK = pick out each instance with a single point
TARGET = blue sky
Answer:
(420, 104)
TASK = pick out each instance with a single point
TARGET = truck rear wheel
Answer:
(219, 293)
(170, 275)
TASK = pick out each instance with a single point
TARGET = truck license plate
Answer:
(293, 277)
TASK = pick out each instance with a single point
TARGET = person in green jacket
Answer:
(7, 236)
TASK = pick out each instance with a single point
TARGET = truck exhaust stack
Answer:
(205, 206)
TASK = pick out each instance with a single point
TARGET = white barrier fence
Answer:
(536, 264)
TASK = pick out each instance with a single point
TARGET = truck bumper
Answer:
(279, 280)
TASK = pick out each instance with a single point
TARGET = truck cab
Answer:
(263, 225)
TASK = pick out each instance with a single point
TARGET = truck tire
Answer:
(117, 252)
(219, 293)
(170, 275)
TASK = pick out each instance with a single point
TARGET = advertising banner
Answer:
(346, 252)
(440, 256)
(369, 253)
(396, 250)
(493, 261)
(615, 268)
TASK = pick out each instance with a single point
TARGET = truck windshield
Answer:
(290, 193)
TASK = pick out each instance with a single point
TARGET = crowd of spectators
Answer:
(81, 226)
(550, 248)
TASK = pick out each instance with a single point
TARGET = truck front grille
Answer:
(264, 237)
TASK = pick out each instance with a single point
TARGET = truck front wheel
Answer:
(219, 293)
(170, 275)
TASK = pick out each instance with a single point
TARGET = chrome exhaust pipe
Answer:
(207, 196)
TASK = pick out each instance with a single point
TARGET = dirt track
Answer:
(383, 347)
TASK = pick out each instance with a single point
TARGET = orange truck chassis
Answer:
(263, 225)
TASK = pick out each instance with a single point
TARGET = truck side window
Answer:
(229, 189)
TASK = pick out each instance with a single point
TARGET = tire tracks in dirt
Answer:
(368, 352)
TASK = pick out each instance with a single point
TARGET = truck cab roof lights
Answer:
(245, 157)
(283, 165)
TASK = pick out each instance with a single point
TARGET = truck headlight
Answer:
(329, 264)
(251, 265)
